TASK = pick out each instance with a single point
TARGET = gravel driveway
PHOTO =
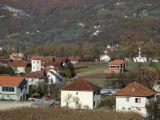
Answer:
(4, 105)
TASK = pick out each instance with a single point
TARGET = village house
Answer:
(13, 88)
(104, 58)
(4, 62)
(53, 75)
(16, 56)
(80, 94)
(133, 98)
(18, 66)
(40, 62)
(116, 66)
(74, 59)
(34, 78)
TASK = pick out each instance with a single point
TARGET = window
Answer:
(8, 89)
(12, 89)
(127, 99)
(76, 93)
(137, 100)
(3, 88)
(123, 108)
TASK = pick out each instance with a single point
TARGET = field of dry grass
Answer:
(64, 114)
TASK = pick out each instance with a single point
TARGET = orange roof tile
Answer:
(136, 90)
(81, 85)
(117, 62)
(18, 63)
(6, 80)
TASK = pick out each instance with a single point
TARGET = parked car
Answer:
(35, 98)
(47, 98)
(106, 93)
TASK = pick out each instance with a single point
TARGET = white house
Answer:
(104, 58)
(133, 98)
(34, 78)
(18, 66)
(53, 76)
(40, 62)
(16, 56)
(140, 58)
(13, 88)
(36, 65)
(74, 59)
(156, 86)
(80, 94)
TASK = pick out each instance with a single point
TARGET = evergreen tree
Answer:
(69, 71)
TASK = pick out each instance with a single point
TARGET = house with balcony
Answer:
(80, 94)
(116, 66)
(13, 88)
(134, 98)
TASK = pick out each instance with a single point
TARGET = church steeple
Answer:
(139, 53)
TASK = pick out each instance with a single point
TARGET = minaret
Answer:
(139, 53)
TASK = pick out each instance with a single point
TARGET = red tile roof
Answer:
(59, 59)
(46, 60)
(6, 80)
(81, 85)
(18, 63)
(37, 74)
(43, 58)
(117, 62)
(74, 58)
(136, 90)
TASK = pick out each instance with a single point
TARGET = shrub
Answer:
(108, 101)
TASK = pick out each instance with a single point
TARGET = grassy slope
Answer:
(64, 114)
(95, 72)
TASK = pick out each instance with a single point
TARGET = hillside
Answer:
(30, 22)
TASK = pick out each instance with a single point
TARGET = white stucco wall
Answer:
(9, 95)
(16, 95)
(127, 106)
(19, 69)
(105, 58)
(86, 99)
(34, 81)
(53, 79)
(36, 65)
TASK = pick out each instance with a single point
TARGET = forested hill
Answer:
(31, 22)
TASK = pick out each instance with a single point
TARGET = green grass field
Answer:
(91, 66)
(95, 72)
